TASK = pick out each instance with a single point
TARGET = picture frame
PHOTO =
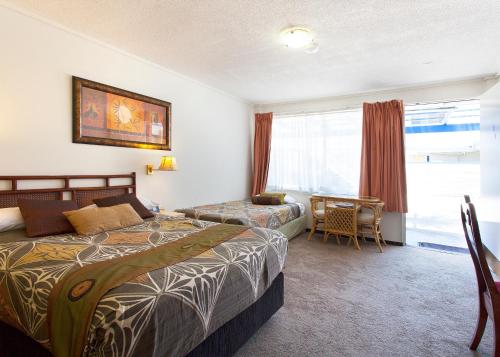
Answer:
(106, 115)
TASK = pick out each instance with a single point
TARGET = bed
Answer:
(288, 218)
(203, 302)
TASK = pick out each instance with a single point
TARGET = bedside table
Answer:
(172, 213)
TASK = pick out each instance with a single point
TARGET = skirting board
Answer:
(370, 239)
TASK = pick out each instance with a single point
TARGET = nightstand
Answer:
(172, 213)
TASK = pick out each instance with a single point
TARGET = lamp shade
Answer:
(168, 163)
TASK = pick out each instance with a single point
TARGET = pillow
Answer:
(126, 198)
(280, 195)
(290, 199)
(149, 204)
(266, 200)
(99, 219)
(10, 219)
(45, 217)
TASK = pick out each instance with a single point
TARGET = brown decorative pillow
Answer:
(266, 200)
(90, 221)
(126, 198)
(45, 217)
(280, 195)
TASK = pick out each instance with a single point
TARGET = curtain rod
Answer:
(358, 107)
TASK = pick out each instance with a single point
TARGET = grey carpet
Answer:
(341, 302)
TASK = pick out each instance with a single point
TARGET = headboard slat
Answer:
(83, 195)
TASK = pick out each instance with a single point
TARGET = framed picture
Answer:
(105, 115)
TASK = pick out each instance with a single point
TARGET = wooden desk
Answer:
(490, 235)
(342, 220)
(488, 216)
(346, 198)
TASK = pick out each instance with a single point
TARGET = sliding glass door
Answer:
(442, 156)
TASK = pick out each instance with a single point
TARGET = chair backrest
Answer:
(376, 208)
(473, 237)
(316, 204)
(338, 219)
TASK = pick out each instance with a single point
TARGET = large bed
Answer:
(222, 283)
(288, 218)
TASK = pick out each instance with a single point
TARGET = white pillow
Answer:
(289, 199)
(10, 218)
(149, 204)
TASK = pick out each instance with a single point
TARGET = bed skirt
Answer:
(293, 228)
(224, 342)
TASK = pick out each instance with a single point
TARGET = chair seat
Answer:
(320, 213)
(497, 284)
(366, 218)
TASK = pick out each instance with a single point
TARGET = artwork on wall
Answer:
(105, 115)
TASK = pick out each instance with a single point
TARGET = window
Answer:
(316, 152)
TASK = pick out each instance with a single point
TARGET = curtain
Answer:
(383, 172)
(261, 151)
(316, 152)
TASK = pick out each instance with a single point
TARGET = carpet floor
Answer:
(341, 302)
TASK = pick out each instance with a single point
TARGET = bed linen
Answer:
(164, 312)
(246, 213)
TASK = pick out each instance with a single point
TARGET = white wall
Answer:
(393, 224)
(210, 129)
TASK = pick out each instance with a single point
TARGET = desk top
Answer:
(490, 235)
(348, 198)
(488, 216)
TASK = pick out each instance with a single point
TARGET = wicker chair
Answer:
(318, 215)
(369, 222)
(341, 220)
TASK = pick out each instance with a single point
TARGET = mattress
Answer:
(166, 311)
(246, 213)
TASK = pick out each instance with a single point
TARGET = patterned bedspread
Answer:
(166, 312)
(246, 213)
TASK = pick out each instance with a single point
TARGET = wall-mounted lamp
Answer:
(168, 163)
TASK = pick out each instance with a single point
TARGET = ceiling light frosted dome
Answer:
(297, 37)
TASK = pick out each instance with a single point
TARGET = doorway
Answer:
(442, 164)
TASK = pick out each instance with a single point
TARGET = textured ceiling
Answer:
(233, 44)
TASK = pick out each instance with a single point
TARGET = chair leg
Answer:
(380, 235)
(376, 237)
(313, 230)
(377, 241)
(338, 239)
(355, 240)
(325, 237)
(482, 318)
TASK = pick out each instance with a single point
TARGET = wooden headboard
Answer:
(66, 189)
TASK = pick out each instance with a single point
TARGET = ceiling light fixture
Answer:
(312, 48)
(297, 37)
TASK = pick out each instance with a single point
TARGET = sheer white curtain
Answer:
(316, 152)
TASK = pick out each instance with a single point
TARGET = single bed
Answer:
(288, 218)
(205, 304)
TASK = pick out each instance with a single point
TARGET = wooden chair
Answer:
(488, 289)
(369, 222)
(318, 215)
(341, 220)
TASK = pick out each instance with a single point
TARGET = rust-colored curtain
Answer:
(261, 151)
(383, 171)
